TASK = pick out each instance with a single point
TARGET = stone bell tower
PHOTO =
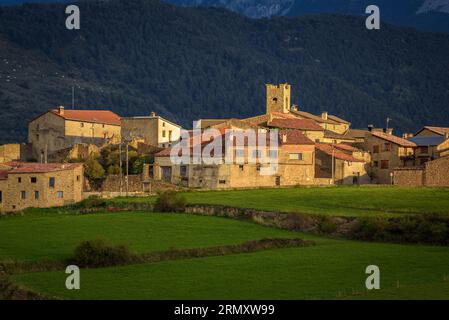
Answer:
(278, 98)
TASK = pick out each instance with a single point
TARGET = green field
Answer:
(333, 269)
(56, 236)
(342, 201)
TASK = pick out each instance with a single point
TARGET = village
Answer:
(71, 154)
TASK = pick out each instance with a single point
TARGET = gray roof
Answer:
(427, 141)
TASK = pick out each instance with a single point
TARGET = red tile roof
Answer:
(394, 139)
(292, 137)
(295, 137)
(96, 116)
(28, 167)
(331, 149)
(3, 174)
(346, 147)
(301, 124)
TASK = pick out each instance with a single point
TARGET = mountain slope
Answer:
(137, 56)
(429, 15)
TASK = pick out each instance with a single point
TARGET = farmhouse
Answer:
(60, 128)
(39, 185)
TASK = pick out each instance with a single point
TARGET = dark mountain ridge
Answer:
(138, 56)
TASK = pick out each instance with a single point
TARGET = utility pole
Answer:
(73, 97)
(121, 171)
(333, 164)
(127, 168)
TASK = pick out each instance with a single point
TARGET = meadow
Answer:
(332, 269)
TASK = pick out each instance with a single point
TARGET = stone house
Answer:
(61, 128)
(429, 131)
(295, 166)
(342, 163)
(387, 153)
(427, 148)
(152, 130)
(38, 185)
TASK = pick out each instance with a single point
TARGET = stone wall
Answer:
(112, 184)
(437, 173)
(410, 177)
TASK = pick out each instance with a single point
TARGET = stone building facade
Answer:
(387, 153)
(24, 185)
(152, 130)
(59, 129)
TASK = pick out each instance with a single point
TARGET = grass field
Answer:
(342, 201)
(332, 269)
(55, 236)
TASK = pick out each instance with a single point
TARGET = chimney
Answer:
(407, 135)
(370, 127)
(446, 135)
(324, 115)
(152, 114)
(388, 131)
(61, 110)
(284, 137)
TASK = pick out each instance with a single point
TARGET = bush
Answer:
(326, 225)
(99, 253)
(170, 201)
(93, 202)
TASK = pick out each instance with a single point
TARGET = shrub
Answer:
(93, 202)
(326, 225)
(99, 253)
(170, 201)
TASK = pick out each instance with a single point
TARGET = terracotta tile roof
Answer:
(331, 149)
(314, 117)
(295, 137)
(334, 135)
(96, 116)
(346, 147)
(356, 133)
(394, 139)
(3, 174)
(301, 124)
(28, 167)
(438, 130)
(335, 118)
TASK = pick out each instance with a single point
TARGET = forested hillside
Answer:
(136, 56)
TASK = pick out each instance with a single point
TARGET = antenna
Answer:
(388, 121)
(73, 97)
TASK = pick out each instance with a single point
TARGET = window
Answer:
(82, 125)
(222, 182)
(23, 195)
(295, 156)
(33, 179)
(275, 100)
(239, 153)
(51, 182)
(78, 178)
(376, 164)
(241, 167)
(273, 154)
(423, 160)
(183, 171)
(60, 194)
(257, 153)
(258, 167)
(384, 164)
(387, 147)
(36, 195)
(1, 197)
(424, 150)
(103, 125)
(163, 133)
(19, 180)
(163, 124)
(37, 137)
(375, 149)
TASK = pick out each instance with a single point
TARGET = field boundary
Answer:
(17, 267)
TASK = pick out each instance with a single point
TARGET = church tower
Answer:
(278, 98)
